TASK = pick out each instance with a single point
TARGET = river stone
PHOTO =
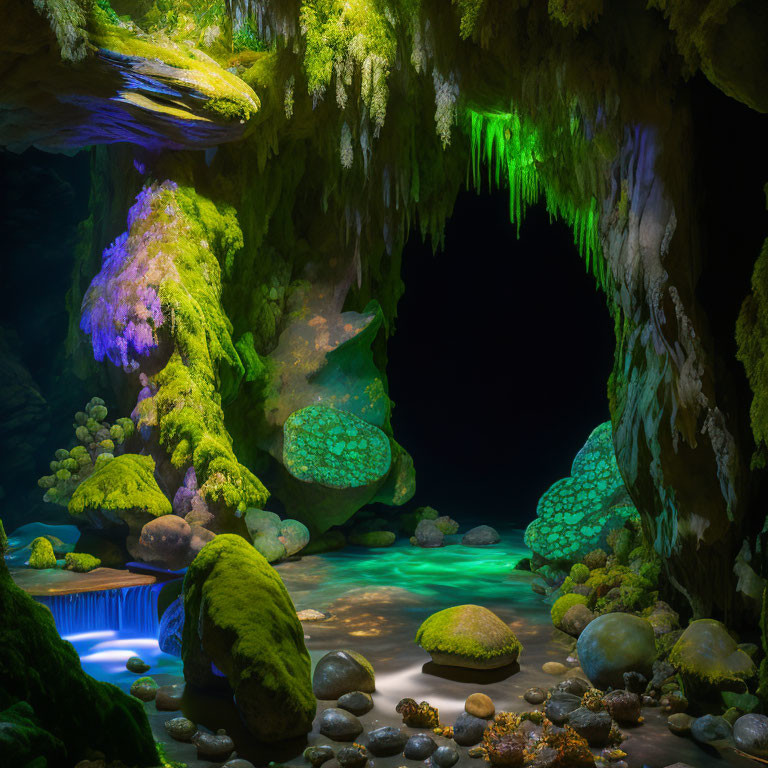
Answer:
(180, 728)
(553, 668)
(575, 619)
(575, 685)
(137, 665)
(560, 705)
(534, 696)
(318, 755)
(593, 726)
(428, 535)
(215, 747)
(468, 636)
(445, 757)
(613, 644)
(468, 729)
(710, 728)
(680, 723)
(750, 732)
(145, 688)
(340, 725)
(386, 741)
(340, 672)
(356, 702)
(623, 706)
(419, 747)
(481, 536)
(480, 705)
(353, 756)
(168, 698)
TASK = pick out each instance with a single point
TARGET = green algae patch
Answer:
(468, 636)
(69, 715)
(122, 489)
(373, 539)
(334, 448)
(576, 515)
(241, 619)
(562, 604)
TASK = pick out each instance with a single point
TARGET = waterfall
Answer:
(129, 609)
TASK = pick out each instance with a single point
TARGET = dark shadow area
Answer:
(465, 675)
(499, 363)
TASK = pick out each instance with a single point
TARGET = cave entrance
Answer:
(499, 363)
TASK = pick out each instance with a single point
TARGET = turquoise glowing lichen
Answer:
(514, 152)
(578, 512)
(334, 448)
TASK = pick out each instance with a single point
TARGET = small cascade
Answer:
(129, 609)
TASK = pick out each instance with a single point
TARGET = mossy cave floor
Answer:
(378, 599)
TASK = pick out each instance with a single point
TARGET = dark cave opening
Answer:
(499, 363)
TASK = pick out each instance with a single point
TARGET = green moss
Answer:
(3, 540)
(121, 489)
(470, 633)
(40, 669)
(562, 604)
(373, 539)
(225, 95)
(42, 555)
(80, 562)
(636, 591)
(241, 618)
(579, 573)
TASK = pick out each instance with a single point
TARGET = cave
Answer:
(384, 381)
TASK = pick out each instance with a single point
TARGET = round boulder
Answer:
(419, 747)
(340, 672)
(428, 535)
(386, 741)
(750, 732)
(356, 702)
(468, 729)
(613, 644)
(468, 636)
(481, 536)
(575, 619)
(340, 725)
(710, 728)
(480, 705)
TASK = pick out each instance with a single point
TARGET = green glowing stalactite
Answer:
(511, 149)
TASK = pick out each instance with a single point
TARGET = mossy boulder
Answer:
(468, 636)
(42, 555)
(276, 539)
(613, 644)
(563, 604)
(710, 661)
(121, 491)
(53, 701)
(240, 620)
(80, 562)
(576, 515)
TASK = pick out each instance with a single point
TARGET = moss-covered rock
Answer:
(562, 604)
(41, 555)
(578, 512)
(80, 562)
(710, 661)
(276, 539)
(240, 618)
(121, 490)
(73, 709)
(468, 636)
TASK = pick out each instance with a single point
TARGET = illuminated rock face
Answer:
(578, 512)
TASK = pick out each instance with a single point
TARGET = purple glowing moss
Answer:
(121, 309)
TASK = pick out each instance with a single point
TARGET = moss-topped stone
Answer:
(468, 636)
(121, 490)
(334, 448)
(578, 512)
(709, 659)
(240, 622)
(41, 555)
